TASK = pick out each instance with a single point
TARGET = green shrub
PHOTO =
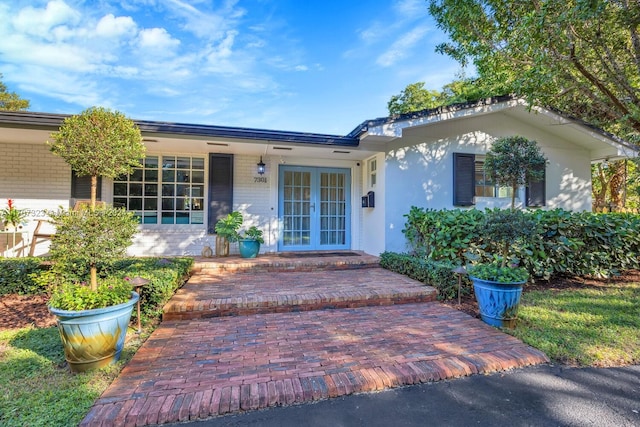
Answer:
(111, 291)
(17, 276)
(566, 243)
(165, 276)
(88, 238)
(443, 234)
(496, 272)
(433, 273)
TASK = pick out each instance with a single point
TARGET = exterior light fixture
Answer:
(261, 166)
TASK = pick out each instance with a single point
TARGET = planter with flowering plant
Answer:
(93, 308)
(12, 216)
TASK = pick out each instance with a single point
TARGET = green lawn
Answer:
(597, 326)
(38, 389)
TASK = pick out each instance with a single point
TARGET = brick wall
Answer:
(35, 179)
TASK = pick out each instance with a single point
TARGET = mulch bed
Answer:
(19, 311)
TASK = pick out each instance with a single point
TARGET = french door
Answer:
(315, 209)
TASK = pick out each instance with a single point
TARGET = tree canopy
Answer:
(99, 142)
(415, 97)
(11, 101)
(581, 56)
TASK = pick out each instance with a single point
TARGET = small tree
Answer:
(97, 142)
(514, 161)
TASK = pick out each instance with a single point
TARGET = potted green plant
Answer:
(249, 242)
(12, 216)
(227, 232)
(93, 313)
(498, 284)
(512, 161)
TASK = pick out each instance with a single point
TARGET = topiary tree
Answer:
(99, 142)
(96, 142)
(513, 161)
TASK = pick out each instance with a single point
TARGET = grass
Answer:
(597, 326)
(38, 388)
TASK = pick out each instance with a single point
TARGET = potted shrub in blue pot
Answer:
(249, 242)
(498, 284)
(93, 307)
(512, 162)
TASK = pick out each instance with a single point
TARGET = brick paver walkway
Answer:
(199, 368)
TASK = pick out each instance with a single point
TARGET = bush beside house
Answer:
(567, 243)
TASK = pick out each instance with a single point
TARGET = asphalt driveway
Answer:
(544, 395)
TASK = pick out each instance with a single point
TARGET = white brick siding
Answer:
(36, 180)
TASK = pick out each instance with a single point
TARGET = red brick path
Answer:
(232, 294)
(194, 369)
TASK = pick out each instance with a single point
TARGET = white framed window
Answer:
(166, 190)
(372, 172)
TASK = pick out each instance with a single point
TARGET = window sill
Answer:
(483, 203)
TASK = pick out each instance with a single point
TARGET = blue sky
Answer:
(298, 65)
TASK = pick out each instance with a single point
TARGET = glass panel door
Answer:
(314, 206)
(296, 212)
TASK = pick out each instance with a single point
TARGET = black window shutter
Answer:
(220, 188)
(536, 192)
(81, 187)
(463, 179)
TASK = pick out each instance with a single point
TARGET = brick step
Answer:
(292, 261)
(232, 293)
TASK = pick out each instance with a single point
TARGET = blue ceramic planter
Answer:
(248, 248)
(94, 338)
(498, 302)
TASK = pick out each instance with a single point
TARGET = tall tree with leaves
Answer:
(11, 101)
(414, 97)
(554, 52)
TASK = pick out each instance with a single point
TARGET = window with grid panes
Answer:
(372, 169)
(485, 187)
(166, 190)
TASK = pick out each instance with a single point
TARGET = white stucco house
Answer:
(317, 192)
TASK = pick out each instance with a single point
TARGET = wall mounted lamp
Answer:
(261, 167)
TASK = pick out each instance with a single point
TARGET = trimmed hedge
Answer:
(17, 276)
(166, 275)
(433, 273)
(565, 243)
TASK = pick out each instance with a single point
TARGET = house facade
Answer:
(317, 192)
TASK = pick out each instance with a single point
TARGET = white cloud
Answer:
(110, 26)
(40, 22)
(411, 9)
(209, 25)
(301, 68)
(401, 47)
(158, 40)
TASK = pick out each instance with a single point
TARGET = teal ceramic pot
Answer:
(248, 248)
(498, 302)
(94, 338)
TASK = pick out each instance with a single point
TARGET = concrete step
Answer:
(245, 292)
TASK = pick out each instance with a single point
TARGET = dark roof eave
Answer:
(53, 121)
